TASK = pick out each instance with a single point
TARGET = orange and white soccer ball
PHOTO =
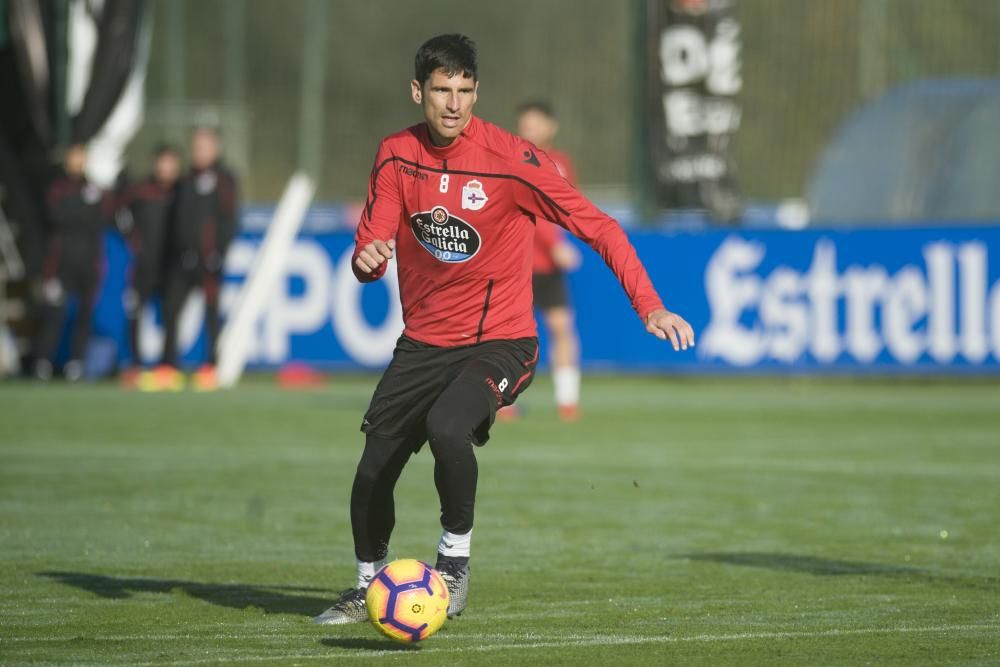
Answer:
(407, 600)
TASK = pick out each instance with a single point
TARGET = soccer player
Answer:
(454, 199)
(202, 226)
(554, 256)
(143, 214)
(78, 213)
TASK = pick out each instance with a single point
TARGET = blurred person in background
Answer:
(202, 225)
(554, 257)
(143, 215)
(77, 213)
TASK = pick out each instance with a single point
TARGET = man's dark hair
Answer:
(454, 53)
(164, 148)
(541, 106)
(213, 130)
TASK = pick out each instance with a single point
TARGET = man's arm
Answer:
(375, 239)
(544, 193)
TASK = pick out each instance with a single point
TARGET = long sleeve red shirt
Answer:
(463, 220)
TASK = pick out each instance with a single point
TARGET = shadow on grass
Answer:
(271, 599)
(799, 563)
(833, 567)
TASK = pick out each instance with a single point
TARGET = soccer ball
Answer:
(407, 600)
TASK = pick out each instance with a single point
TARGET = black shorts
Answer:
(550, 290)
(418, 373)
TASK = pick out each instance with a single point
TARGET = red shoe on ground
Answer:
(205, 379)
(161, 378)
(129, 378)
(569, 413)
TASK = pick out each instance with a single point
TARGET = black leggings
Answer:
(447, 398)
(180, 283)
(450, 425)
(54, 318)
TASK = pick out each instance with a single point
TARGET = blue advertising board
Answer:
(894, 300)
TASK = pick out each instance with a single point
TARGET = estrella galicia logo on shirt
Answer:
(448, 238)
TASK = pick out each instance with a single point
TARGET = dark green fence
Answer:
(317, 82)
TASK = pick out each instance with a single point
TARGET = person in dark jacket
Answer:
(203, 224)
(78, 212)
(143, 214)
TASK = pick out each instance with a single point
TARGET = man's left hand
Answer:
(670, 326)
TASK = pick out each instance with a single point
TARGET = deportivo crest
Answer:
(448, 238)
(474, 196)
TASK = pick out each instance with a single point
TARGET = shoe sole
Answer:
(348, 621)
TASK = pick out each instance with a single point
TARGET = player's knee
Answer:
(446, 430)
(366, 476)
(370, 468)
(559, 320)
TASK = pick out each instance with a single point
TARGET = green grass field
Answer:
(682, 521)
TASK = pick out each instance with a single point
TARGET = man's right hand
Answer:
(374, 255)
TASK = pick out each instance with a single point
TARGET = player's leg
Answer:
(565, 356)
(551, 293)
(86, 297)
(133, 306)
(212, 319)
(52, 317)
(373, 509)
(394, 427)
(459, 419)
(167, 377)
(373, 516)
(205, 378)
(179, 285)
(464, 407)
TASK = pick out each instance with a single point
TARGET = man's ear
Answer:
(475, 95)
(416, 91)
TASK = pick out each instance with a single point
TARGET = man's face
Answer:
(75, 160)
(204, 149)
(447, 102)
(537, 128)
(167, 168)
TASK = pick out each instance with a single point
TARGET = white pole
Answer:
(266, 274)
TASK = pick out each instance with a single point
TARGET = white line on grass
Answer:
(515, 641)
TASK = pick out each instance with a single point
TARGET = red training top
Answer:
(462, 218)
(547, 234)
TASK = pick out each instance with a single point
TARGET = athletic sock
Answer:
(567, 385)
(366, 571)
(455, 546)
